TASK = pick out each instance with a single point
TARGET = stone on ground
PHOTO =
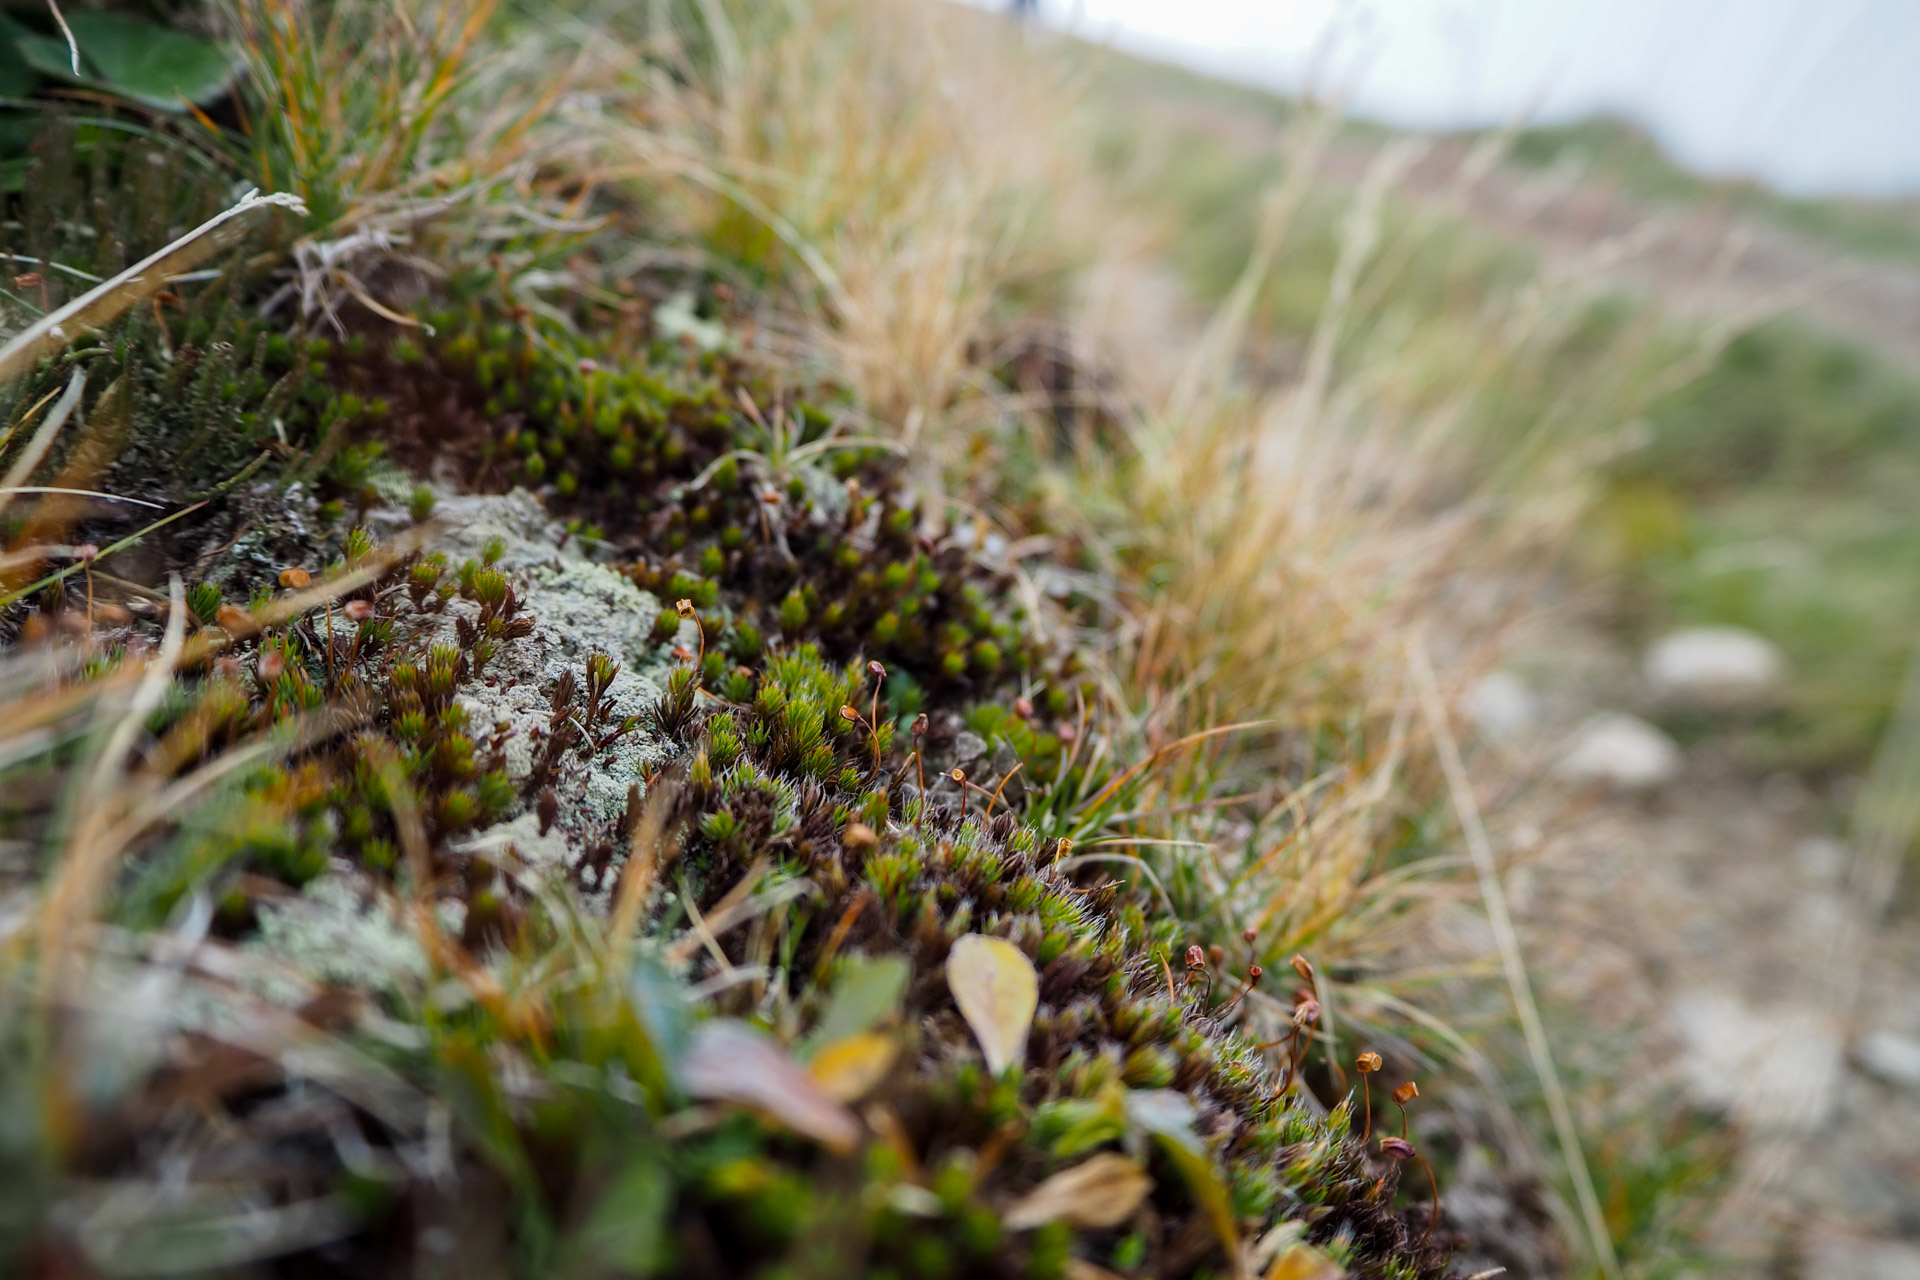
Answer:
(1890, 1057)
(1503, 708)
(1619, 751)
(1860, 1259)
(1714, 668)
(1772, 1068)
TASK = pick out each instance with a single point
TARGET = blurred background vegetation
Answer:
(1769, 482)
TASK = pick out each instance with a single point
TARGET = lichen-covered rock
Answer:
(579, 608)
(339, 930)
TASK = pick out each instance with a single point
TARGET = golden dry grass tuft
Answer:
(906, 171)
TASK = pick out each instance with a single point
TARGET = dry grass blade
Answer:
(108, 550)
(761, 146)
(9, 491)
(1153, 761)
(1206, 368)
(651, 847)
(303, 734)
(90, 854)
(739, 905)
(1467, 809)
(66, 32)
(113, 296)
(22, 468)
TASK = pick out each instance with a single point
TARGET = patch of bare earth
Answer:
(1707, 932)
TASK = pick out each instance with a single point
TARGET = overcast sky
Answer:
(1814, 96)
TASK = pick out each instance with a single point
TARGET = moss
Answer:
(710, 482)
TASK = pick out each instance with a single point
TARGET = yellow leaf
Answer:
(847, 1070)
(1102, 1192)
(997, 990)
(1304, 1262)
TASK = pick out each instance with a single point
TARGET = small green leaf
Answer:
(867, 995)
(1068, 1127)
(48, 55)
(149, 64)
(17, 77)
(659, 1005)
(1169, 1116)
(628, 1228)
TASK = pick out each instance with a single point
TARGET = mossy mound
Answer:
(700, 473)
(901, 873)
(623, 818)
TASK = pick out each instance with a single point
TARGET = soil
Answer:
(1709, 921)
(1691, 932)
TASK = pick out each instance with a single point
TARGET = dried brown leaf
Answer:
(732, 1062)
(1101, 1192)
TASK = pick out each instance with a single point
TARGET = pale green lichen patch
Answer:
(579, 609)
(342, 931)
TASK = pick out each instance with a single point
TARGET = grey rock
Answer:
(340, 929)
(1772, 1068)
(538, 851)
(1820, 860)
(1714, 667)
(343, 929)
(1620, 751)
(1503, 707)
(1890, 1057)
(1857, 1259)
(580, 608)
